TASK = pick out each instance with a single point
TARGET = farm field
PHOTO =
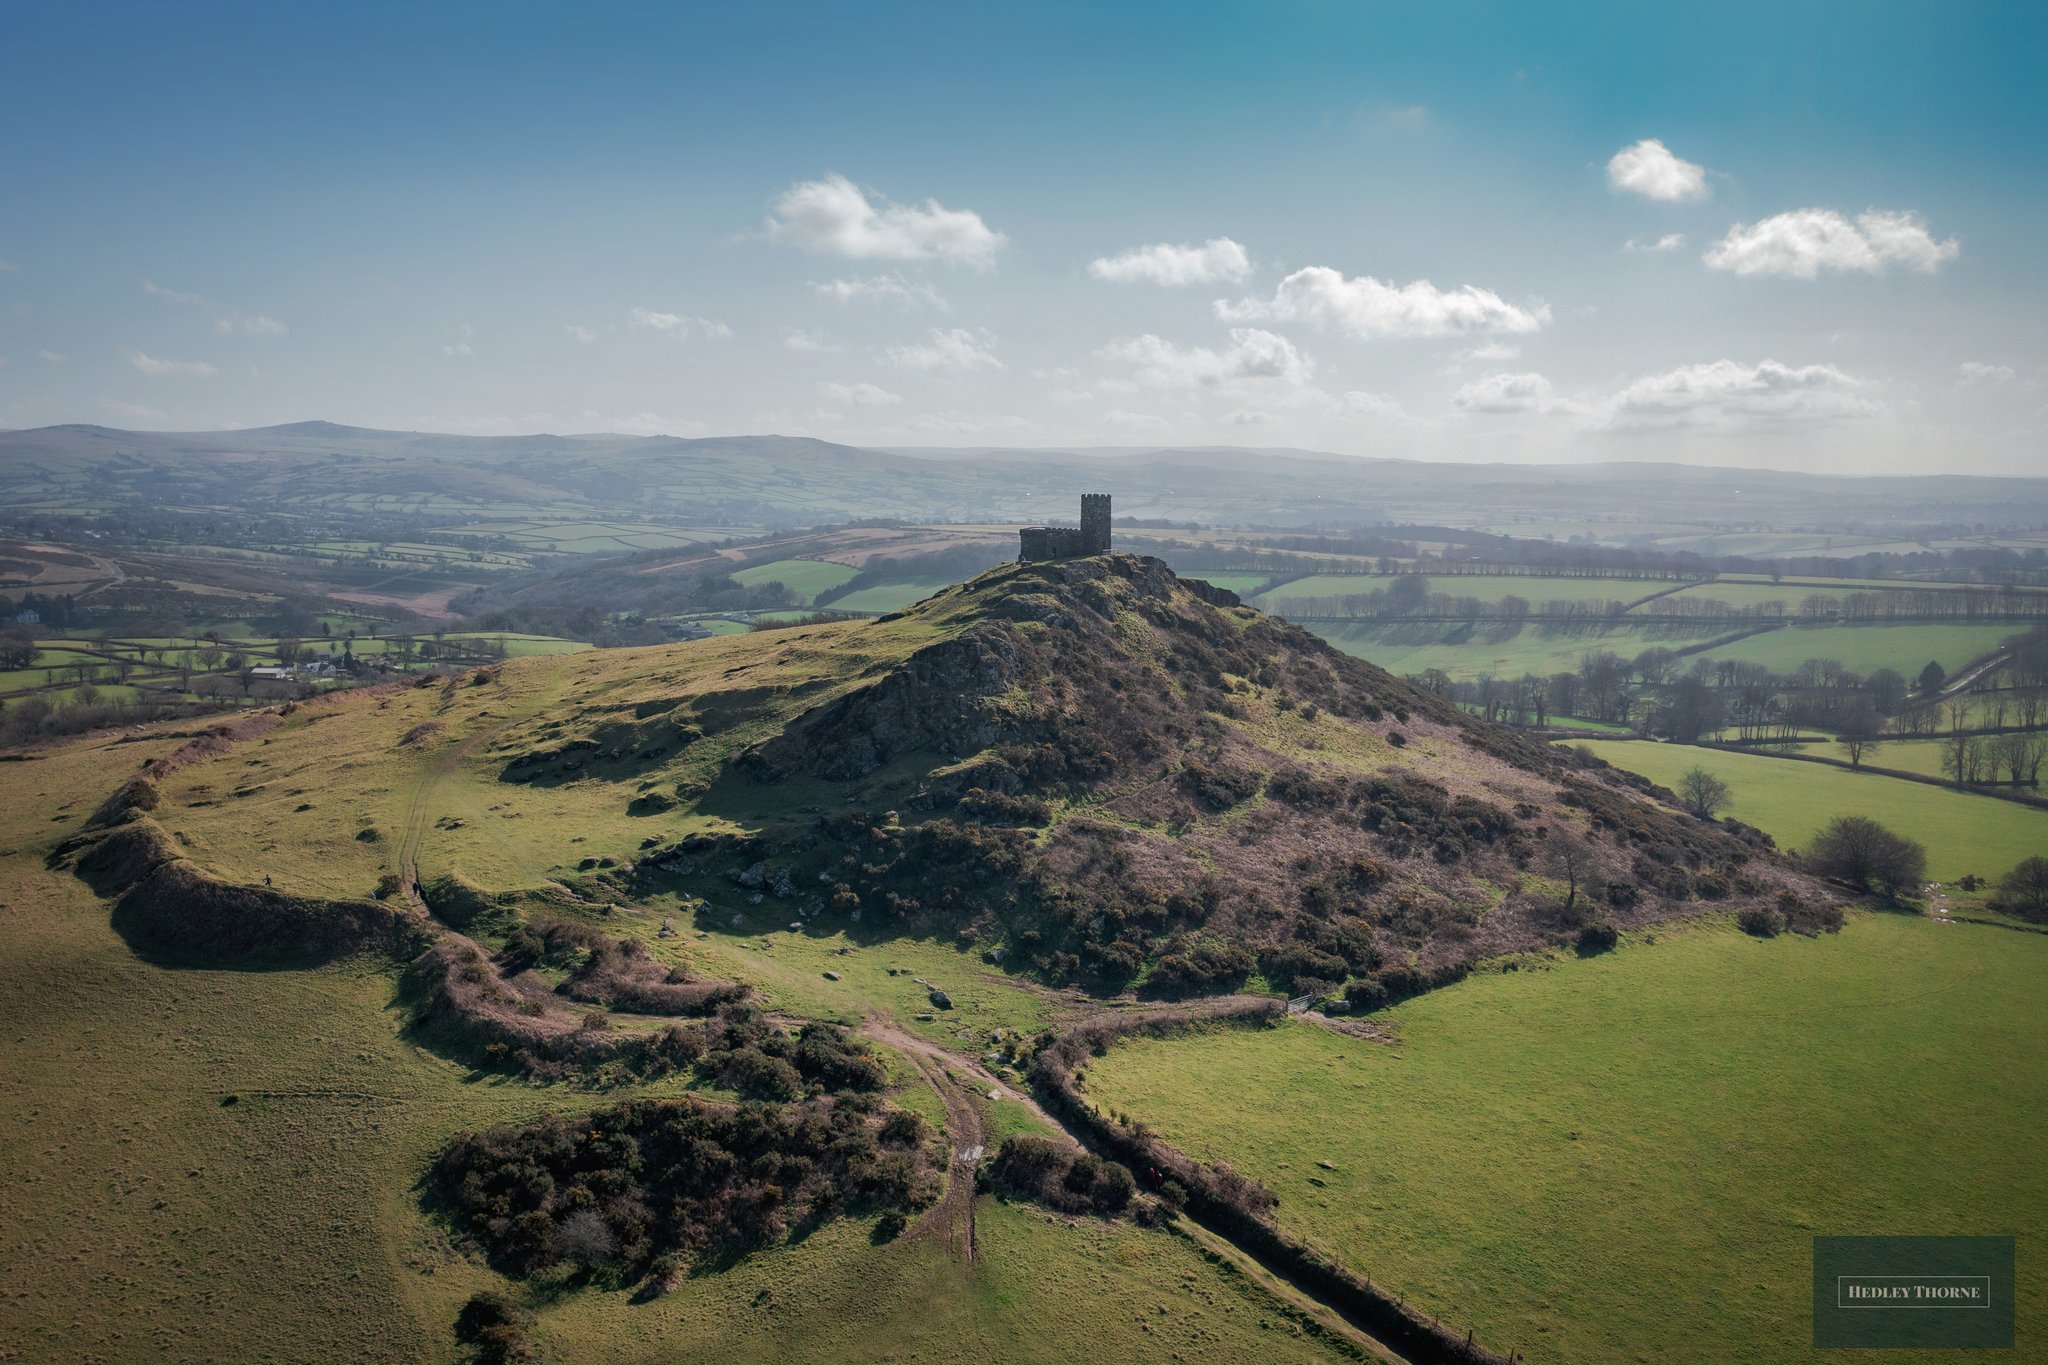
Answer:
(1485, 587)
(804, 577)
(1465, 653)
(1506, 651)
(1865, 649)
(1922, 756)
(1545, 1153)
(1791, 801)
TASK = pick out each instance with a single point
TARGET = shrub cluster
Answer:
(1060, 1177)
(1206, 966)
(621, 1186)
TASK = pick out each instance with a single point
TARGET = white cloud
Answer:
(1366, 307)
(640, 423)
(1725, 394)
(578, 332)
(1248, 417)
(1214, 262)
(862, 395)
(157, 368)
(458, 348)
(1504, 393)
(953, 348)
(835, 217)
(1254, 356)
(677, 325)
(1414, 116)
(807, 339)
(1134, 421)
(175, 295)
(1670, 241)
(889, 289)
(1648, 168)
(954, 424)
(256, 326)
(52, 357)
(224, 322)
(1978, 372)
(134, 412)
(1359, 405)
(1805, 242)
(1494, 351)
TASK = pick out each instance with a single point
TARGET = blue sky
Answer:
(1791, 235)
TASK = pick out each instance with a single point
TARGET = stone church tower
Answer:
(1036, 543)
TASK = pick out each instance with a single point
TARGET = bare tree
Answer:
(1859, 735)
(1702, 793)
(1569, 857)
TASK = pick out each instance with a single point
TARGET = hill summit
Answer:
(1091, 770)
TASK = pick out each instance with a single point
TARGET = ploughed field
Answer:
(1626, 1157)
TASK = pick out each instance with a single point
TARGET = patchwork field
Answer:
(1791, 801)
(1547, 1153)
(1465, 651)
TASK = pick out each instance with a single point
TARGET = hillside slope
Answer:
(1094, 771)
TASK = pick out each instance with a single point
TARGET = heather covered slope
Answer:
(1094, 771)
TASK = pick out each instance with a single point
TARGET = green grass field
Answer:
(1485, 587)
(215, 1165)
(1549, 1155)
(1865, 649)
(888, 596)
(804, 577)
(1791, 801)
(1465, 652)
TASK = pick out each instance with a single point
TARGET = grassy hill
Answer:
(361, 925)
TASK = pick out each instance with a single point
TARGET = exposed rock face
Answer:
(935, 702)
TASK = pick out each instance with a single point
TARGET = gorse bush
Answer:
(1060, 1176)
(627, 1184)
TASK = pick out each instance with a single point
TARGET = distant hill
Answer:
(787, 481)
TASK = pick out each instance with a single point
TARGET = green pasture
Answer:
(804, 577)
(221, 1165)
(1486, 587)
(1505, 650)
(1466, 652)
(1865, 649)
(1550, 1156)
(888, 596)
(1791, 801)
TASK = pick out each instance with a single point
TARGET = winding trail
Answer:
(953, 1215)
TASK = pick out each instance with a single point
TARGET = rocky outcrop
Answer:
(936, 701)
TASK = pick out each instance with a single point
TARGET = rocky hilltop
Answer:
(1105, 774)
(1091, 771)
